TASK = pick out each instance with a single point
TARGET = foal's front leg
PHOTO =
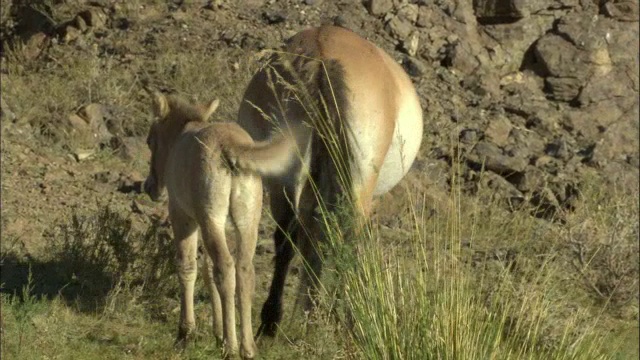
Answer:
(186, 243)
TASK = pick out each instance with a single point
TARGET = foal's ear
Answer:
(211, 109)
(160, 105)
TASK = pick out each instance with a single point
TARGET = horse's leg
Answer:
(186, 243)
(216, 305)
(284, 215)
(214, 238)
(246, 208)
(309, 235)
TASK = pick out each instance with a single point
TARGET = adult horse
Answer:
(363, 130)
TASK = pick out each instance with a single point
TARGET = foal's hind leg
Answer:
(246, 207)
(216, 305)
(186, 243)
(214, 238)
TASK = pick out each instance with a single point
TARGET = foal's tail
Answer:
(269, 158)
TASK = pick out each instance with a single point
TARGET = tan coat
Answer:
(364, 130)
(206, 195)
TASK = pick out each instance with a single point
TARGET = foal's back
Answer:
(201, 180)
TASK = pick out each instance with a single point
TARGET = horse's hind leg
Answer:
(216, 305)
(214, 238)
(186, 243)
(246, 209)
(309, 234)
(284, 215)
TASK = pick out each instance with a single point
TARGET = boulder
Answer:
(399, 28)
(380, 7)
(498, 130)
(622, 10)
(489, 156)
(500, 11)
(91, 122)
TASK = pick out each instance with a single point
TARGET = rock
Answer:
(498, 131)
(78, 123)
(619, 142)
(469, 136)
(622, 10)
(425, 17)
(69, 33)
(548, 164)
(558, 149)
(399, 28)
(129, 148)
(409, 13)
(489, 156)
(142, 207)
(510, 44)
(580, 30)
(499, 185)
(559, 57)
(106, 177)
(592, 121)
(563, 88)
(130, 183)
(79, 23)
(532, 179)
(619, 38)
(604, 88)
(414, 67)
(545, 202)
(91, 122)
(500, 11)
(461, 57)
(35, 45)
(273, 17)
(484, 85)
(95, 18)
(527, 139)
(437, 172)
(341, 21)
(380, 7)
(411, 43)
(82, 154)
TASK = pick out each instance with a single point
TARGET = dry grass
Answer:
(447, 290)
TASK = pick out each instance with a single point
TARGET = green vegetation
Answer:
(436, 292)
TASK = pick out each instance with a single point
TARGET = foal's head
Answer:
(172, 114)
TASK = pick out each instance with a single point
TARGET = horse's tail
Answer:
(269, 158)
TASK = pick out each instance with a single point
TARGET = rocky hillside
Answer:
(528, 106)
(530, 97)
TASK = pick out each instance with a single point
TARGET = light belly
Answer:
(404, 146)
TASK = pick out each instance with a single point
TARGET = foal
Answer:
(206, 194)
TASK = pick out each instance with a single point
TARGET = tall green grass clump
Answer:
(437, 295)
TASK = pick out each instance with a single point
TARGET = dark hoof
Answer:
(182, 340)
(268, 329)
